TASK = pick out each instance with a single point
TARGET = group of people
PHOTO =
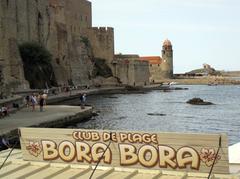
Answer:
(33, 100)
(4, 111)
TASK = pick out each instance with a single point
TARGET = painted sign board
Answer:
(166, 151)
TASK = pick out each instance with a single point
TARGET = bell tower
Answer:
(167, 57)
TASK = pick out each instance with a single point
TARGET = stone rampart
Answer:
(130, 70)
(102, 42)
(56, 24)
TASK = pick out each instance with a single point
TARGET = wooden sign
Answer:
(166, 151)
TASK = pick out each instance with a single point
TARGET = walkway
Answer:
(75, 93)
(52, 115)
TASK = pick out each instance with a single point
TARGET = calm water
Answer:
(129, 111)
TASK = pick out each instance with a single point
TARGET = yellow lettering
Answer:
(167, 157)
(188, 156)
(146, 138)
(128, 154)
(83, 152)
(66, 151)
(137, 138)
(97, 152)
(106, 136)
(148, 156)
(49, 150)
(95, 136)
(123, 137)
(154, 138)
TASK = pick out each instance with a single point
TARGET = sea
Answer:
(159, 111)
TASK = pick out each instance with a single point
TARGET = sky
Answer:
(201, 31)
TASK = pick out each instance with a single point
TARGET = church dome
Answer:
(167, 43)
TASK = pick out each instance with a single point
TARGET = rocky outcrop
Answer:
(156, 114)
(198, 101)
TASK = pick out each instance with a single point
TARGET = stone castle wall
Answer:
(155, 72)
(58, 25)
(12, 25)
(161, 71)
(102, 42)
(131, 71)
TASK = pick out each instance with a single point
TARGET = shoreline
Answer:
(204, 81)
(54, 101)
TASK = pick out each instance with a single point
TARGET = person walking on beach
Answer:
(4, 111)
(27, 100)
(33, 99)
(82, 100)
(41, 102)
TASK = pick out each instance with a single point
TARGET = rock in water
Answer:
(198, 101)
(156, 114)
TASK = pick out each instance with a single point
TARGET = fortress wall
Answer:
(57, 40)
(71, 58)
(159, 72)
(141, 73)
(1, 31)
(155, 71)
(78, 15)
(22, 21)
(12, 64)
(22, 17)
(81, 63)
(131, 71)
(58, 25)
(102, 42)
(32, 7)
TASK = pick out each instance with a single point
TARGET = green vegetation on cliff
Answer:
(37, 65)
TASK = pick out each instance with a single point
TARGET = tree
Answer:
(38, 69)
(33, 53)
